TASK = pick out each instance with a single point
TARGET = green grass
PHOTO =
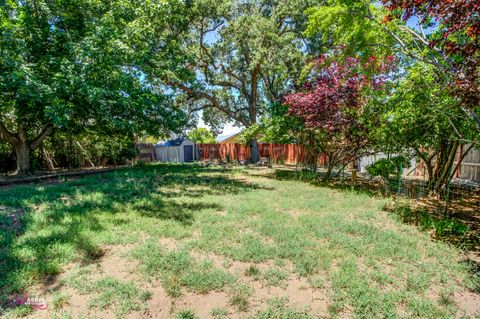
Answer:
(239, 296)
(340, 240)
(177, 269)
(278, 308)
(219, 313)
(107, 292)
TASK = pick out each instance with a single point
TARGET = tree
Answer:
(422, 116)
(201, 135)
(277, 126)
(446, 37)
(332, 107)
(243, 57)
(454, 46)
(71, 65)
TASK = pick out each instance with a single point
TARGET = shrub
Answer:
(387, 167)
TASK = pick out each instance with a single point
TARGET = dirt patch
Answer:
(298, 292)
(468, 302)
(160, 305)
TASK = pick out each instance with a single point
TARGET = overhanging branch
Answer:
(41, 136)
(6, 135)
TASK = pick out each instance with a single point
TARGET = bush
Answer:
(387, 167)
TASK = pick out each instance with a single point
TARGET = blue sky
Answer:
(229, 128)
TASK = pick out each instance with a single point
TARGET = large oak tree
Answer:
(243, 55)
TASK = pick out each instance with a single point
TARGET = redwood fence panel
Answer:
(290, 154)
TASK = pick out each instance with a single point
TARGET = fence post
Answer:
(400, 179)
(447, 194)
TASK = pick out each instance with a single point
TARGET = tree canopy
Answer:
(201, 135)
(243, 55)
(71, 65)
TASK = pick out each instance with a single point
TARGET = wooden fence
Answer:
(469, 169)
(290, 154)
(146, 152)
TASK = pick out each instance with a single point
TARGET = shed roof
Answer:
(174, 142)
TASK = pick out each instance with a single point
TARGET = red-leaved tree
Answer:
(455, 44)
(331, 106)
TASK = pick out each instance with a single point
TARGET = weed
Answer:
(185, 314)
(239, 296)
(60, 299)
(253, 271)
(275, 277)
(219, 313)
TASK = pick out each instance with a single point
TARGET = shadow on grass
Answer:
(317, 179)
(453, 228)
(442, 227)
(36, 221)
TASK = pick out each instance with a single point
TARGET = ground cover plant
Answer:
(191, 241)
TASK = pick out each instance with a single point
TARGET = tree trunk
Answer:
(254, 154)
(22, 151)
(328, 173)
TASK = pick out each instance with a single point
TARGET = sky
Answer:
(229, 128)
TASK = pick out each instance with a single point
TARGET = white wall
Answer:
(167, 153)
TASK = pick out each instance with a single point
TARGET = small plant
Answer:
(316, 282)
(275, 277)
(239, 295)
(253, 271)
(60, 299)
(219, 313)
(278, 308)
(446, 298)
(185, 314)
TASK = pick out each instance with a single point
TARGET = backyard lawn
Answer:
(187, 241)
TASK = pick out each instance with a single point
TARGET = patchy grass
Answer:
(177, 269)
(278, 308)
(239, 296)
(219, 313)
(193, 232)
(106, 292)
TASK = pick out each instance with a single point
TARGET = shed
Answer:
(178, 150)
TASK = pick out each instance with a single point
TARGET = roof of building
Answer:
(222, 138)
(175, 142)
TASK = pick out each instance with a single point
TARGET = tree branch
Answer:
(213, 100)
(6, 135)
(43, 133)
